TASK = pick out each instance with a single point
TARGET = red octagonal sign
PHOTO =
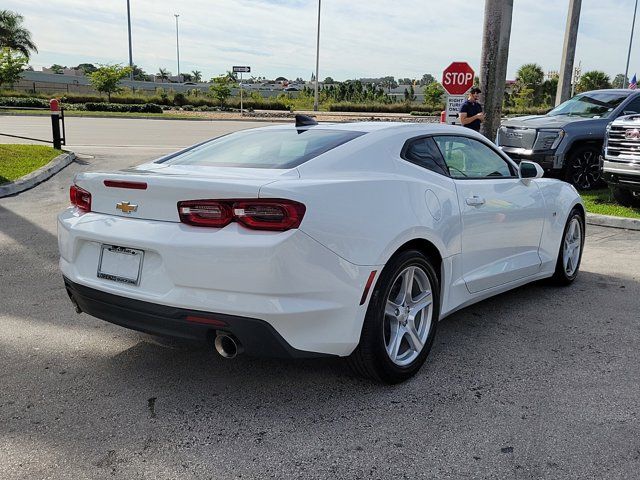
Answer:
(457, 78)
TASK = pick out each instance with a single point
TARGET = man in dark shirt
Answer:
(471, 111)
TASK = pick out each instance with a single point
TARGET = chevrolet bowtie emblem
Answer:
(126, 207)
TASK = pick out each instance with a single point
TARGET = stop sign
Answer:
(457, 78)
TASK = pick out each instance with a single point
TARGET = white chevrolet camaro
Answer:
(348, 240)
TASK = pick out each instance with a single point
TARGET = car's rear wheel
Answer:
(570, 254)
(401, 320)
(583, 168)
(625, 197)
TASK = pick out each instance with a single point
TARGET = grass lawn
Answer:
(18, 160)
(603, 203)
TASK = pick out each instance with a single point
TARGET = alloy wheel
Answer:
(408, 315)
(584, 170)
(572, 247)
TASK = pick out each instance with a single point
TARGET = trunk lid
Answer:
(166, 185)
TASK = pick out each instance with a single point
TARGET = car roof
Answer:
(398, 127)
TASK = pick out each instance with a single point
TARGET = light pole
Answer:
(177, 45)
(130, 54)
(315, 97)
(633, 24)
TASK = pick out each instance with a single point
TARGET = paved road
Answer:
(540, 382)
(112, 135)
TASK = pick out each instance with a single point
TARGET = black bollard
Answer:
(55, 123)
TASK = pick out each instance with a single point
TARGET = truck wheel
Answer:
(625, 198)
(583, 168)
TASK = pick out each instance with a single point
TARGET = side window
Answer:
(632, 107)
(469, 158)
(425, 153)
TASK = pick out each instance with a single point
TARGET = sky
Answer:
(358, 38)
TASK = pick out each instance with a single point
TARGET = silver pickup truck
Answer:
(621, 166)
(567, 141)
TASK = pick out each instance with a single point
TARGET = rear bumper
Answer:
(256, 336)
(302, 290)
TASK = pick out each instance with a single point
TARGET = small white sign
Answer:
(454, 102)
(241, 69)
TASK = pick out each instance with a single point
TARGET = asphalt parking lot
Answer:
(540, 382)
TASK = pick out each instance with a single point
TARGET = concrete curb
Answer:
(39, 176)
(613, 222)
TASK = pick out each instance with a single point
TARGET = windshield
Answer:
(590, 104)
(265, 148)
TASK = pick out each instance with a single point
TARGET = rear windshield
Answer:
(590, 105)
(265, 148)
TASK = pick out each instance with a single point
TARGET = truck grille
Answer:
(517, 137)
(623, 144)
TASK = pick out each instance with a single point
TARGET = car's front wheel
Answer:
(570, 253)
(401, 320)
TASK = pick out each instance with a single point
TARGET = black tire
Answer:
(583, 168)
(625, 198)
(560, 276)
(370, 358)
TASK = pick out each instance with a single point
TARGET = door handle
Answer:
(475, 201)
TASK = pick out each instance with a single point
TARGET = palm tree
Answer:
(593, 80)
(163, 74)
(530, 75)
(197, 76)
(14, 35)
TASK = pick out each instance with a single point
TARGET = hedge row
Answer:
(28, 102)
(138, 104)
(379, 107)
(114, 107)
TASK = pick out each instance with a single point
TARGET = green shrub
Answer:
(376, 107)
(114, 107)
(28, 102)
(179, 99)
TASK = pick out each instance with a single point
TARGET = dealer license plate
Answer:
(120, 264)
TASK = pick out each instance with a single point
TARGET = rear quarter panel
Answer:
(366, 203)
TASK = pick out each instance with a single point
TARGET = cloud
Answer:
(359, 38)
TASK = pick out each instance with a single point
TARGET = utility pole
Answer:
(493, 64)
(626, 70)
(130, 51)
(315, 96)
(177, 45)
(568, 51)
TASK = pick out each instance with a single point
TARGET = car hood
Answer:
(544, 121)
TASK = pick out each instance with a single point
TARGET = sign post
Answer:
(457, 79)
(240, 70)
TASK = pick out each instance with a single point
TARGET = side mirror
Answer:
(528, 170)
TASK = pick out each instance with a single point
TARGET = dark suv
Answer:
(568, 140)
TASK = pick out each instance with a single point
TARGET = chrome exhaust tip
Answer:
(227, 345)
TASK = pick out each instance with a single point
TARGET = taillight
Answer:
(205, 213)
(259, 214)
(80, 198)
(269, 214)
